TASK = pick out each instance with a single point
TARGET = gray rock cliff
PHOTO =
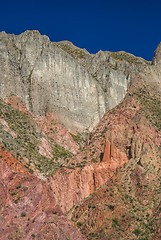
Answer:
(58, 77)
(157, 55)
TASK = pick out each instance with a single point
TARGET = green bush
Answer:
(79, 224)
(111, 207)
(23, 214)
(137, 232)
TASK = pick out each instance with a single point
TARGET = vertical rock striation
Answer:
(70, 187)
(58, 77)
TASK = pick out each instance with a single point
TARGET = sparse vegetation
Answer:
(152, 107)
(28, 140)
(75, 52)
(78, 139)
(128, 57)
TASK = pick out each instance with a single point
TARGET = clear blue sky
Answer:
(132, 26)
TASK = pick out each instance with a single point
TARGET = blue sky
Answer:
(131, 26)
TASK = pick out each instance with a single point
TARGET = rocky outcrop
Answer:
(63, 79)
(157, 55)
(71, 186)
(49, 80)
(110, 153)
(112, 70)
(49, 125)
(112, 160)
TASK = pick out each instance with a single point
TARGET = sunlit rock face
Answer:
(48, 77)
(157, 55)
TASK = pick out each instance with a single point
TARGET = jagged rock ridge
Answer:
(60, 78)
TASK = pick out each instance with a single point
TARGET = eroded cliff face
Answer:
(79, 88)
(70, 186)
(112, 70)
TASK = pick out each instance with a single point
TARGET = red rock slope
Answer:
(27, 205)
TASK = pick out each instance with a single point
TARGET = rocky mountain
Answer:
(57, 182)
(127, 206)
(62, 79)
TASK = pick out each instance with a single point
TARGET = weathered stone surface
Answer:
(48, 79)
(157, 55)
(70, 187)
(112, 160)
(63, 79)
(107, 152)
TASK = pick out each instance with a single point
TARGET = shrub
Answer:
(79, 224)
(33, 235)
(115, 222)
(23, 214)
(137, 231)
(14, 193)
(111, 207)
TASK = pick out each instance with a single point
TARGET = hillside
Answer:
(128, 205)
(78, 172)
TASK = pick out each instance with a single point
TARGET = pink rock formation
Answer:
(17, 103)
(71, 186)
(107, 152)
(112, 160)
(28, 208)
